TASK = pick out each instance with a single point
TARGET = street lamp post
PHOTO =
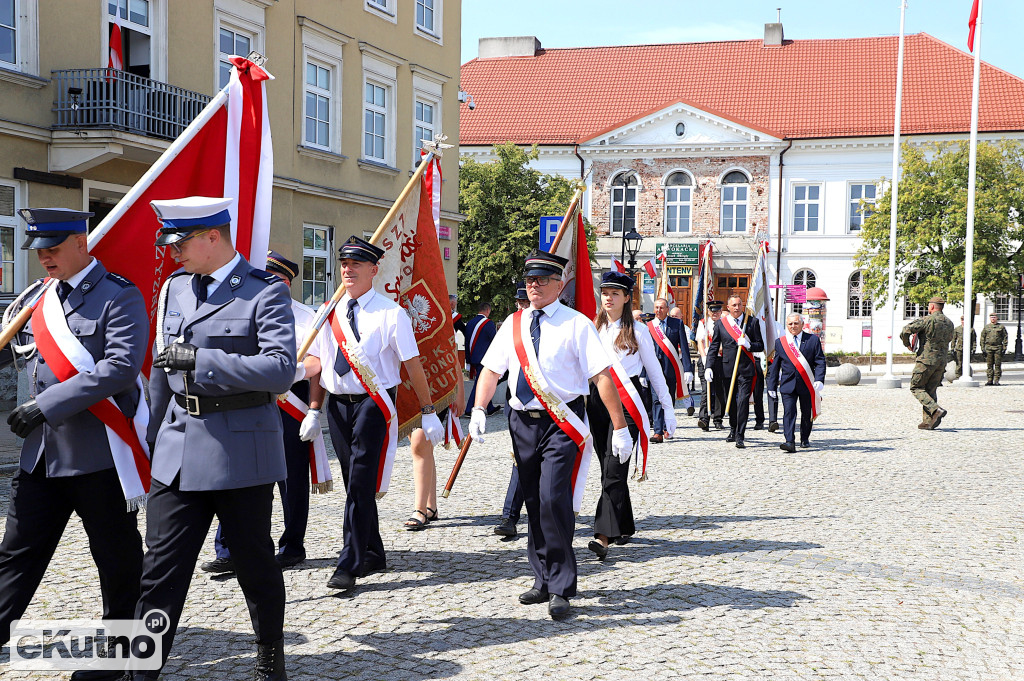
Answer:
(631, 242)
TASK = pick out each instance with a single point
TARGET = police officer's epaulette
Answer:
(265, 276)
(119, 280)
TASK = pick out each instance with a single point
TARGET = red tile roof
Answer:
(804, 89)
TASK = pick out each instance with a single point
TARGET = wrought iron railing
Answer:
(109, 98)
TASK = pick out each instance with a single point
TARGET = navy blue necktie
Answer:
(523, 391)
(63, 291)
(200, 286)
(341, 365)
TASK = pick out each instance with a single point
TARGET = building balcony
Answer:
(102, 114)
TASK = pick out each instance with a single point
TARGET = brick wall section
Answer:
(706, 197)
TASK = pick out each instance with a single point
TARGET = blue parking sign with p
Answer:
(549, 225)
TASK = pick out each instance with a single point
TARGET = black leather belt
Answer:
(355, 398)
(196, 405)
(576, 406)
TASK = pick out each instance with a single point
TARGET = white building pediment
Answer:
(699, 129)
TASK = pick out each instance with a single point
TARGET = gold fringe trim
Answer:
(412, 424)
(379, 495)
(322, 487)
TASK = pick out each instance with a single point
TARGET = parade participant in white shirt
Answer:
(632, 346)
(547, 450)
(712, 402)
(361, 379)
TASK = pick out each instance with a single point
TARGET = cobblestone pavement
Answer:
(884, 552)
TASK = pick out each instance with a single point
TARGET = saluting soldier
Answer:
(547, 450)
(737, 343)
(295, 489)
(934, 333)
(226, 350)
(85, 343)
(958, 348)
(994, 340)
(358, 355)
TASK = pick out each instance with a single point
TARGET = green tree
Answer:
(931, 227)
(503, 201)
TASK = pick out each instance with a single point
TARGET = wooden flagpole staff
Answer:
(21, 319)
(736, 363)
(457, 467)
(573, 206)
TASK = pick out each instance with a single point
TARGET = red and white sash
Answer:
(452, 430)
(634, 406)
(803, 369)
(67, 357)
(735, 332)
(670, 352)
(356, 357)
(565, 418)
(319, 465)
(471, 344)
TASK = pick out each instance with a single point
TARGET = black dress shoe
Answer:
(270, 662)
(342, 579)
(533, 597)
(788, 447)
(773, 426)
(558, 607)
(98, 675)
(730, 438)
(719, 426)
(218, 566)
(805, 444)
(703, 424)
(288, 560)
(373, 565)
(623, 540)
(759, 425)
(506, 528)
(689, 411)
(740, 445)
(599, 549)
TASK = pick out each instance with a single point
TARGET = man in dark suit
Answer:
(479, 333)
(675, 332)
(738, 340)
(785, 376)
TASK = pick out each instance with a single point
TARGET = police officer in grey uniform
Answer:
(227, 335)
(66, 461)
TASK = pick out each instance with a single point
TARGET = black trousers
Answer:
(546, 458)
(789, 401)
(39, 510)
(614, 515)
(739, 410)
(358, 431)
(758, 393)
(711, 403)
(177, 525)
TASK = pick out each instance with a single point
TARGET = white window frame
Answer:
(732, 202)
(432, 33)
(385, 9)
(1006, 308)
(320, 93)
(862, 297)
(428, 91)
(157, 32)
(912, 310)
(805, 271)
(381, 72)
(19, 278)
(377, 111)
(852, 204)
(323, 47)
(241, 17)
(16, 27)
(328, 256)
(807, 204)
(624, 202)
(678, 203)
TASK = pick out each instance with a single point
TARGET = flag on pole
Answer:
(577, 278)
(761, 302)
(116, 58)
(650, 267)
(226, 151)
(665, 291)
(617, 266)
(972, 24)
(411, 273)
(704, 288)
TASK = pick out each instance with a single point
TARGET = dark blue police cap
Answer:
(541, 263)
(521, 291)
(281, 265)
(618, 280)
(48, 227)
(360, 249)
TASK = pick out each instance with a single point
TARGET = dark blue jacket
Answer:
(782, 373)
(675, 331)
(475, 354)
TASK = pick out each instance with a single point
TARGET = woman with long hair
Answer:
(631, 344)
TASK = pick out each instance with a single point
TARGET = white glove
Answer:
(309, 429)
(743, 342)
(819, 386)
(687, 377)
(478, 424)
(432, 428)
(670, 422)
(300, 372)
(708, 374)
(772, 394)
(622, 443)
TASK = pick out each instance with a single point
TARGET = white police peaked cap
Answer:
(180, 217)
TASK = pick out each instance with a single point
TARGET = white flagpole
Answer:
(972, 174)
(889, 380)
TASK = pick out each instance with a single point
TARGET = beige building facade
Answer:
(358, 84)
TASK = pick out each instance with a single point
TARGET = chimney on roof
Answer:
(516, 46)
(773, 35)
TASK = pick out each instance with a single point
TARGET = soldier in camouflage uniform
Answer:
(993, 343)
(934, 333)
(958, 348)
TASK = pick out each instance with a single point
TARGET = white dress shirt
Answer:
(385, 335)
(303, 322)
(635, 362)
(571, 353)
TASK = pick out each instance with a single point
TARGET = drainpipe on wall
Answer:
(778, 244)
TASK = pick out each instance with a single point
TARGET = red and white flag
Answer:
(116, 58)
(617, 266)
(577, 278)
(226, 151)
(972, 24)
(666, 288)
(651, 268)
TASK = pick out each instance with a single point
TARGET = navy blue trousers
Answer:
(789, 401)
(513, 507)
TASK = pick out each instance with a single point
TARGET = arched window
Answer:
(678, 188)
(624, 187)
(735, 187)
(911, 309)
(860, 302)
(803, 278)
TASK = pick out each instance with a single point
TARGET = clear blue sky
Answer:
(582, 23)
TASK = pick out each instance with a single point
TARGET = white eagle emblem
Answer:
(418, 307)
